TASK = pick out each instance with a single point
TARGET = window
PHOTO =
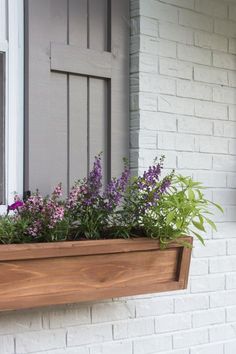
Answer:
(11, 100)
(2, 127)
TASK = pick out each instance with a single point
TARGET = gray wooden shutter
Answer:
(76, 89)
(2, 128)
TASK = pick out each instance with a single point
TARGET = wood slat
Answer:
(68, 272)
(75, 60)
(80, 248)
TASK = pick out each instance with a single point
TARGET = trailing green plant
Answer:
(147, 205)
(182, 210)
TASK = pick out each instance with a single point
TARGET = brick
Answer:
(220, 299)
(148, 26)
(232, 12)
(220, 163)
(195, 90)
(199, 266)
(207, 283)
(224, 197)
(170, 323)
(147, 102)
(231, 314)
(148, 45)
(66, 351)
(232, 45)
(211, 110)
(156, 84)
(231, 247)
(154, 307)
(231, 180)
(231, 281)
(211, 178)
(188, 4)
(114, 348)
(148, 63)
(232, 78)
(223, 264)
(84, 335)
(224, 61)
(134, 63)
(112, 311)
(232, 112)
(194, 54)
(7, 345)
(178, 105)
(210, 41)
(195, 125)
(171, 141)
(195, 20)
(225, 27)
(208, 318)
(208, 349)
(157, 121)
(176, 33)
(212, 248)
(212, 8)
(190, 338)
(211, 145)
(191, 303)
(225, 129)
(230, 347)
(158, 11)
(197, 161)
(152, 344)
(224, 95)
(135, 45)
(69, 315)
(166, 48)
(222, 333)
(134, 328)
(40, 341)
(12, 323)
(210, 75)
(174, 68)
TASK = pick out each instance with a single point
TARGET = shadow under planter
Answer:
(34, 275)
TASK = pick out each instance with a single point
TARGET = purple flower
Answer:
(15, 206)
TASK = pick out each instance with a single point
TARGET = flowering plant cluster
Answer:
(147, 205)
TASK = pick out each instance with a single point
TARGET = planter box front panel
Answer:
(65, 273)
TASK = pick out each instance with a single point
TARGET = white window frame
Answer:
(13, 46)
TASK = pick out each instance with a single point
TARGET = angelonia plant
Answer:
(148, 205)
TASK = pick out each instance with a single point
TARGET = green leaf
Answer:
(199, 226)
(200, 238)
(191, 194)
(170, 217)
(218, 207)
(211, 223)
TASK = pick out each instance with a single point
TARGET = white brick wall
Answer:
(183, 104)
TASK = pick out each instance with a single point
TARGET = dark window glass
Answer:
(2, 128)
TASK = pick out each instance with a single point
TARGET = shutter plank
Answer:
(78, 103)
(98, 95)
(119, 84)
(47, 94)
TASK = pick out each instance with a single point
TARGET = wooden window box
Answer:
(34, 275)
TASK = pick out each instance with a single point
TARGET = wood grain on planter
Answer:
(34, 275)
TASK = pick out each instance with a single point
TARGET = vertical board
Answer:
(120, 25)
(98, 95)
(2, 128)
(78, 103)
(71, 118)
(3, 20)
(47, 97)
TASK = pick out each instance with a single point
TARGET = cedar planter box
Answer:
(33, 275)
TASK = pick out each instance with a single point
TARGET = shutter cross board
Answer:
(75, 60)
(76, 89)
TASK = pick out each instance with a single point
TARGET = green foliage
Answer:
(183, 210)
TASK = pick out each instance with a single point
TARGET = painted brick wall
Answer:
(183, 95)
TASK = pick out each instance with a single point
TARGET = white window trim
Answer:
(13, 46)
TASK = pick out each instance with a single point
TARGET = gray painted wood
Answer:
(78, 89)
(75, 60)
(2, 128)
